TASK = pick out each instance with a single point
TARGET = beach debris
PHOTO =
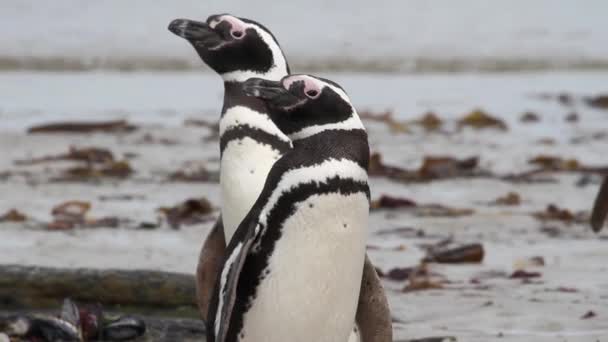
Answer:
(554, 163)
(535, 261)
(390, 202)
(600, 207)
(113, 169)
(74, 324)
(385, 202)
(469, 253)
(546, 141)
(479, 119)
(13, 215)
(399, 273)
(572, 117)
(599, 101)
(511, 198)
(148, 138)
(523, 274)
(432, 168)
(529, 117)
(123, 328)
(387, 118)
(438, 210)
(432, 339)
(447, 167)
(589, 314)
(73, 214)
(86, 154)
(191, 211)
(114, 126)
(565, 289)
(96, 163)
(197, 173)
(121, 197)
(555, 213)
(420, 278)
(430, 122)
(406, 232)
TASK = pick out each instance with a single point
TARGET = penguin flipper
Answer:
(600, 208)
(209, 266)
(238, 249)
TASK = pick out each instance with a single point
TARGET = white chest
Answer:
(312, 290)
(244, 166)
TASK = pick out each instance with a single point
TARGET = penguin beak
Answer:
(271, 92)
(196, 32)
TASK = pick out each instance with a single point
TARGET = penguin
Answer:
(294, 266)
(237, 49)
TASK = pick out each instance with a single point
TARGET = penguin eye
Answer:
(312, 93)
(237, 34)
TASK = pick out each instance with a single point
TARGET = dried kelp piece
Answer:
(511, 198)
(399, 273)
(189, 212)
(555, 213)
(387, 118)
(589, 314)
(430, 121)
(438, 210)
(199, 174)
(86, 154)
(471, 253)
(390, 202)
(432, 168)
(422, 279)
(73, 214)
(115, 126)
(113, 169)
(555, 163)
(529, 117)
(599, 101)
(535, 261)
(572, 117)
(13, 215)
(480, 119)
(600, 207)
(447, 167)
(148, 138)
(523, 274)
(432, 339)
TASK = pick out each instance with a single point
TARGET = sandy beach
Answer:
(559, 294)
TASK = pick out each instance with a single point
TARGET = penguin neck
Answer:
(235, 96)
(338, 143)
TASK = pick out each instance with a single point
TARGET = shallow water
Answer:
(389, 35)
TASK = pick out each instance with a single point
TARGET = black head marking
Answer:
(301, 102)
(236, 48)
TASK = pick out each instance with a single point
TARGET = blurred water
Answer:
(355, 35)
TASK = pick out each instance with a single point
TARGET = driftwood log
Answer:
(27, 287)
(164, 300)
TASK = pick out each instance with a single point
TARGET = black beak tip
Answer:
(176, 26)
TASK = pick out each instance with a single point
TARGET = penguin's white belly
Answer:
(244, 166)
(311, 292)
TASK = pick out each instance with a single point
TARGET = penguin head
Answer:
(303, 105)
(236, 48)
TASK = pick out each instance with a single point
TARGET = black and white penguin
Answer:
(250, 143)
(238, 48)
(294, 265)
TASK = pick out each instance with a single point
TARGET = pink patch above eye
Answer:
(237, 27)
(311, 86)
